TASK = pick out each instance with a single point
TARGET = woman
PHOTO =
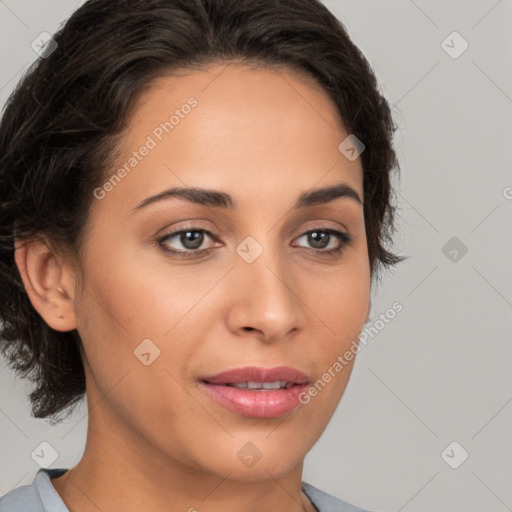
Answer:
(195, 201)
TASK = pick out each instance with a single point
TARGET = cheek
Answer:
(342, 306)
(127, 299)
(342, 303)
(117, 311)
(131, 298)
(342, 309)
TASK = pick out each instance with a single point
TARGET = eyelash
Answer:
(344, 238)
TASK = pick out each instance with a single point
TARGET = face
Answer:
(256, 274)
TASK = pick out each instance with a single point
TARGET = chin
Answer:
(259, 457)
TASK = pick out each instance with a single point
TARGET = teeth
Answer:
(274, 385)
(278, 384)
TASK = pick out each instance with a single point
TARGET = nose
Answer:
(265, 300)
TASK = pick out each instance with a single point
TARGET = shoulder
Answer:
(39, 496)
(327, 502)
(24, 498)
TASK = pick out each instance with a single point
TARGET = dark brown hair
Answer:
(60, 127)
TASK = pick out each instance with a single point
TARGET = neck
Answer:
(121, 471)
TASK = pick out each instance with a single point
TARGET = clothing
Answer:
(41, 496)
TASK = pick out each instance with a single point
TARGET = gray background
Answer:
(440, 371)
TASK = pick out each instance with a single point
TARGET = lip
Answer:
(258, 374)
(256, 403)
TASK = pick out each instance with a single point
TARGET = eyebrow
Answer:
(219, 199)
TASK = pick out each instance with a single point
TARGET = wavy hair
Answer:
(60, 126)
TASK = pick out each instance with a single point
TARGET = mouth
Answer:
(257, 392)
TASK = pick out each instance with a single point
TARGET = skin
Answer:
(263, 136)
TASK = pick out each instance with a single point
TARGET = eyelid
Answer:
(323, 227)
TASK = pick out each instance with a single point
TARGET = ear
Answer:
(49, 282)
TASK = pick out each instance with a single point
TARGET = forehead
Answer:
(248, 127)
(236, 84)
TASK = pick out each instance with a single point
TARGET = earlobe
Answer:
(48, 282)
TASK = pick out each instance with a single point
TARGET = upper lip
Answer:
(258, 374)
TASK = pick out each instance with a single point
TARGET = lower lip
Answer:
(258, 404)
